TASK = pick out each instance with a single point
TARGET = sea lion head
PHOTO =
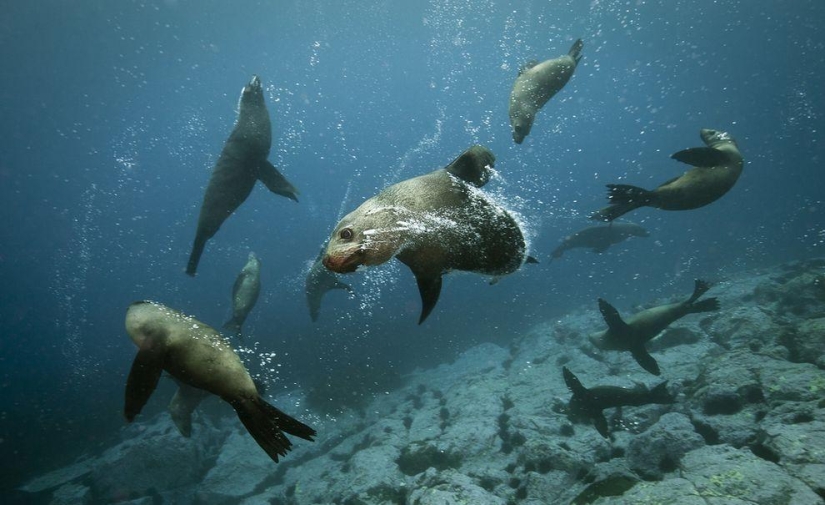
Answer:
(521, 123)
(367, 236)
(146, 323)
(252, 92)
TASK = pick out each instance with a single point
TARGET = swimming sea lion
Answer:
(716, 169)
(243, 161)
(600, 238)
(535, 85)
(433, 223)
(245, 293)
(588, 404)
(318, 282)
(634, 334)
(198, 356)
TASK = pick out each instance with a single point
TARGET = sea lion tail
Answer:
(623, 198)
(660, 394)
(267, 425)
(575, 50)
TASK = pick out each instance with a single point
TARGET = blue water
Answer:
(115, 112)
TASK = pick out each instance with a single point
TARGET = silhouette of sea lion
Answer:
(600, 238)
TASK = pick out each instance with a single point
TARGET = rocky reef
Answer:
(747, 426)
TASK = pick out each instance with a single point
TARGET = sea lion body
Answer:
(535, 85)
(242, 162)
(196, 355)
(632, 335)
(432, 223)
(716, 168)
(319, 281)
(588, 404)
(600, 238)
(245, 293)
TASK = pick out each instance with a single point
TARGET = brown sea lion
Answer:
(196, 355)
(600, 238)
(242, 162)
(716, 169)
(634, 334)
(535, 85)
(245, 293)
(433, 223)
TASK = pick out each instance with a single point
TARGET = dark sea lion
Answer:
(433, 223)
(535, 85)
(242, 162)
(634, 334)
(245, 293)
(716, 169)
(600, 238)
(196, 355)
(318, 282)
(588, 404)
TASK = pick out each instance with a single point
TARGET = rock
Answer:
(240, 468)
(660, 449)
(450, 488)
(807, 342)
(72, 494)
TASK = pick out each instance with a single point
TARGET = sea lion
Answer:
(196, 355)
(588, 404)
(243, 161)
(535, 85)
(432, 223)
(318, 282)
(716, 169)
(600, 238)
(634, 334)
(245, 293)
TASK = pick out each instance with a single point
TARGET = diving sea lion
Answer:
(587, 404)
(716, 169)
(243, 161)
(318, 282)
(600, 238)
(198, 356)
(535, 85)
(642, 327)
(245, 293)
(432, 223)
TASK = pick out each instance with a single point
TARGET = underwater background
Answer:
(114, 114)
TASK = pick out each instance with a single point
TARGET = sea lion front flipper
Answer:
(275, 182)
(185, 401)
(702, 157)
(473, 165)
(573, 384)
(600, 422)
(645, 360)
(429, 286)
(143, 379)
(611, 317)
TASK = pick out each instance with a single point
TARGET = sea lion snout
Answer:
(341, 264)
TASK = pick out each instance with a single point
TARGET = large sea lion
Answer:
(535, 85)
(600, 238)
(319, 281)
(635, 333)
(716, 169)
(198, 356)
(588, 404)
(243, 161)
(433, 223)
(245, 293)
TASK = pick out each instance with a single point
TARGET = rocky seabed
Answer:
(748, 426)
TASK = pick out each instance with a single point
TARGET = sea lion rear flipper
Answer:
(611, 317)
(702, 157)
(143, 379)
(267, 425)
(275, 182)
(473, 165)
(429, 286)
(645, 360)
(185, 401)
(700, 287)
(575, 50)
(600, 422)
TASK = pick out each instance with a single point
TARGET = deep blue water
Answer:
(115, 112)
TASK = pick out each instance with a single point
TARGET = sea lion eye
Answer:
(345, 234)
